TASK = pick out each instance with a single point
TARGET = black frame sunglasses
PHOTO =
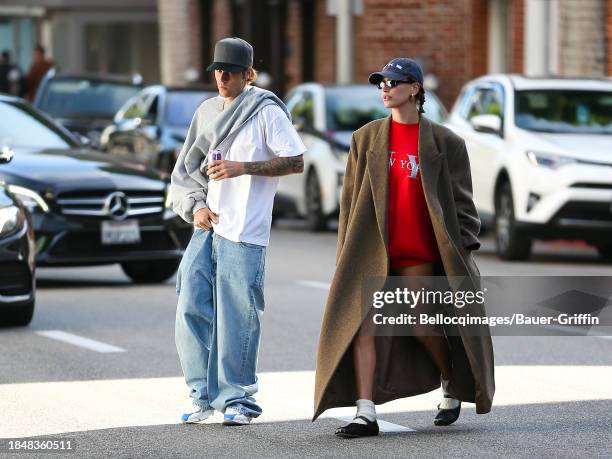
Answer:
(392, 83)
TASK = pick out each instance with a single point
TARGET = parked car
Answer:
(85, 104)
(539, 150)
(151, 127)
(88, 209)
(326, 117)
(16, 257)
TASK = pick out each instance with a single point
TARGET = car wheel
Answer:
(315, 218)
(512, 244)
(17, 316)
(605, 251)
(150, 272)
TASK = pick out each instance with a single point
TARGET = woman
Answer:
(406, 210)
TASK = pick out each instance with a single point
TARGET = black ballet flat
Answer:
(354, 429)
(446, 417)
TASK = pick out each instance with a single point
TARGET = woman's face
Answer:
(399, 95)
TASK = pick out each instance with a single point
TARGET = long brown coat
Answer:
(403, 367)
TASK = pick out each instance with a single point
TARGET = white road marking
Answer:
(68, 406)
(315, 284)
(80, 341)
(383, 426)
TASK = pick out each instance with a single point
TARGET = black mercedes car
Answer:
(16, 257)
(151, 127)
(88, 209)
(85, 104)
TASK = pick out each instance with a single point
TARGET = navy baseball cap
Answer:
(400, 68)
(232, 55)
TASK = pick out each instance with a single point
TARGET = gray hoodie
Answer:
(212, 127)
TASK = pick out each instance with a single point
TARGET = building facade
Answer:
(85, 36)
(455, 40)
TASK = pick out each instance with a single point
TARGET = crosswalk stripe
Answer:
(315, 284)
(73, 406)
(80, 341)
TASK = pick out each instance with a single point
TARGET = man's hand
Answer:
(219, 170)
(203, 218)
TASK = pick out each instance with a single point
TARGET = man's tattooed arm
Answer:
(276, 166)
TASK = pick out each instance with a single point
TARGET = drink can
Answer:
(216, 155)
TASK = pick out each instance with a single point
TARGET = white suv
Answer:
(541, 157)
(326, 117)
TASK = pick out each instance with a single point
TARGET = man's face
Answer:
(230, 84)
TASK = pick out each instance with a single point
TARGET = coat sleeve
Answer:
(346, 198)
(461, 176)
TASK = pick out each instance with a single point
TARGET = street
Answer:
(98, 366)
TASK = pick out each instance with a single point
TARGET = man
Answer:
(229, 201)
(39, 67)
(9, 74)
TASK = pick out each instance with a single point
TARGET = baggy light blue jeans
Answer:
(218, 320)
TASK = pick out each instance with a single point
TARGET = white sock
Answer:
(367, 409)
(444, 385)
(448, 402)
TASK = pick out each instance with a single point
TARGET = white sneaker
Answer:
(234, 417)
(197, 414)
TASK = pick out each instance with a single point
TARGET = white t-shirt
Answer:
(244, 204)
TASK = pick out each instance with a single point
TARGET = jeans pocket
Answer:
(248, 245)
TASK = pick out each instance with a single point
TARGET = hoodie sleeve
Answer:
(187, 194)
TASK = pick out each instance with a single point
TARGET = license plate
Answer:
(126, 232)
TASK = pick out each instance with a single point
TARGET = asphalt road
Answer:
(116, 388)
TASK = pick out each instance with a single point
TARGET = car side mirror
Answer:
(490, 124)
(6, 155)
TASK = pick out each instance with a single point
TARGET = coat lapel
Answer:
(378, 169)
(430, 160)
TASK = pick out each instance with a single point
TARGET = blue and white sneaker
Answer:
(197, 414)
(234, 416)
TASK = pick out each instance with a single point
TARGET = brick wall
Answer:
(175, 53)
(439, 33)
(195, 35)
(582, 45)
(293, 62)
(222, 20)
(609, 36)
(325, 45)
(479, 40)
(517, 35)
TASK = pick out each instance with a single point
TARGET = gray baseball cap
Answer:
(232, 55)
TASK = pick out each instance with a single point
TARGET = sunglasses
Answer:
(392, 83)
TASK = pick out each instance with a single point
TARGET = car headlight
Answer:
(548, 159)
(10, 219)
(31, 199)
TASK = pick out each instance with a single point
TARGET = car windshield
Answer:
(348, 109)
(70, 98)
(26, 128)
(181, 106)
(564, 111)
